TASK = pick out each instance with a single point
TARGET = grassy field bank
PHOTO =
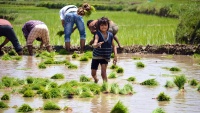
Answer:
(133, 28)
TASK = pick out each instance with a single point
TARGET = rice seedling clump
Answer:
(58, 76)
(25, 108)
(150, 82)
(163, 97)
(5, 97)
(119, 108)
(180, 81)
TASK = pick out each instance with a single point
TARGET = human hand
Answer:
(99, 44)
(115, 60)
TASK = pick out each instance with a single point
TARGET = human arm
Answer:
(4, 43)
(96, 44)
(116, 39)
(115, 53)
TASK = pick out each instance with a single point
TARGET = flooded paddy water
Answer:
(142, 101)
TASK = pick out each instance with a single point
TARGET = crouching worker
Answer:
(103, 45)
(6, 30)
(35, 29)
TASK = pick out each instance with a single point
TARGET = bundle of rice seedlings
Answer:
(151, 82)
(180, 81)
(49, 61)
(53, 85)
(72, 66)
(140, 65)
(50, 105)
(25, 108)
(131, 79)
(46, 94)
(112, 75)
(88, 54)
(174, 69)
(95, 88)
(30, 80)
(163, 97)
(6, 57)
(3, 105)
(169, 84)
(198, 89)
(7, 81)
(5, 97)
(84, 78)
(120, 70)
(158, 110)
(60, 33)
(55, 93)
(17, 57)
(69, 92)
(136, 58)
(127, 89)
(119, 108)
(84, 58)
(114, 88)
(86, 94)
(42, 66)
(12, 52)
(105, 87)
(63, 52)
(75, 55)
(29, 93)
(193, 82)
(113, 66)
(58, 76)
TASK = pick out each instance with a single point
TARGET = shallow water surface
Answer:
(143, 101)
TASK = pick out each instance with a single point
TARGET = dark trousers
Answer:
(9, 33)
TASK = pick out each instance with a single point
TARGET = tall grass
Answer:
(134, 29)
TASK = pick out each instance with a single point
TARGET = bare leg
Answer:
(82, 43)
(103, 72)
(67, 46)
(94, 72)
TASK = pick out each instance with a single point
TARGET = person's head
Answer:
(86, 6)
(88, 22)
(103, 24)
(80, 11)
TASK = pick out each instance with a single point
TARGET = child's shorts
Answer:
(96, 62)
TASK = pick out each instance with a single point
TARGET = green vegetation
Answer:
(159, 110)
(169, 84)
(131, 79)
(163, 97)
(120, 70)
(112, 75)
(140, 65)
(25, 108)
(58, 76)
(193, 82)
(114, 88)
(198, 89)
(3, 105)
(119, 108)
(50, 105)
(150, 82)
(113, 66)
(84, 78)
(174, 69)
(127, 89)
(180, 81)
(5, 97)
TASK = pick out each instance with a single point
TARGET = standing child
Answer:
(103, 45)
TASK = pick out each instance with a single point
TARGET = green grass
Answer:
(133, 28)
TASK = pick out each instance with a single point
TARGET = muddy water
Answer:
(141, 102)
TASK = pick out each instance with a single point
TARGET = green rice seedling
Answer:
(84, 78)
(69, 92)
(113, 66)
(63, 52)
(78, 90)
(5, 97)
(169, 84)
(127, 89)
(163, 97)
(131, 79)
(41, 90)
(195, 55)
(68, 109)
(75, 55)
(72, 66)
(49, 61)
(112, 75)
(193, 82)
(86, 94)
(7, 81)
(50, 105)
(89, 54)
(84, 58)
(24, 88)
(46, 94)
(3, 105)
(17, 57)
(46, 54)
(95, 88)
(114, 88)
(120, 70)
(140, 65)
(174, 69)
(198, 89)
(55, 93)
(119, 108)
(29, 93)
(105, 87)
(112, 55)
(12, 52)
(150, 82)
(25, 108)
(180, 81)
(42, 66)
(6, 57)
(58, 76)
(30, 80)
(159, 110)
(53, 85)
(136, 58)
